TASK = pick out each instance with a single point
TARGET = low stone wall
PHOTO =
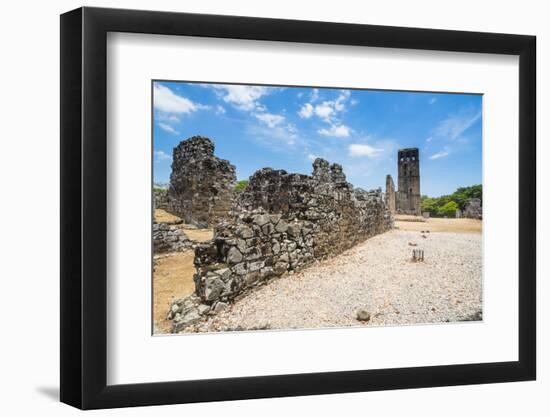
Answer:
(280, 223)
(160, 199)
(169, 238)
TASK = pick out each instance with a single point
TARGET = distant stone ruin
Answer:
(390, 194)
(280, 223)
(472, 210)
(169, 238)
(407, 197)
(160, 198)
(201, 184)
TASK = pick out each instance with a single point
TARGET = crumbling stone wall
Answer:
(160, 199)
(201, 184)
(282, 222)
(473, 209)
(169, 238)
(390, 194)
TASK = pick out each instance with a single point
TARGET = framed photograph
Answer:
(258, 208)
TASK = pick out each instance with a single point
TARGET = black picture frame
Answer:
(84, 207)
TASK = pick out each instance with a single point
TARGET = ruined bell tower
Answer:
(408, 185)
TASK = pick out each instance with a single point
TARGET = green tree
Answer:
(429, 204)
(241, 185)
(448, 210)
(439, 206)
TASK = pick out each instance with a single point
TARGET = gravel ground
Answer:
(376, 275)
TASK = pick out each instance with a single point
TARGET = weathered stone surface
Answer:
(240, 269)
(224, 273)
(473, 209)
(201, 185)
(160, 198)
(234, 256)
(244, 232)
(390, 194)
(213, 287)
(169, 238)
(280, 268)
(261, 219)
(184, 320)
(219, 307)
(363, 315)
(203, 309)
(255, 266)
(281, 227)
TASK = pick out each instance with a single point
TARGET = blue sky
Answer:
(288, 127)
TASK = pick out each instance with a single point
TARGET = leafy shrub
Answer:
(441, 206)
(241, 185)
(448, 210)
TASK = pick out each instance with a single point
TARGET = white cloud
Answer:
(168, 128)
(342, 98)
(441, 154)
(270, 119)
(428, 140)
(311, 157)
(165, 117)
(306, 111)
(324, 111)
(452, 127)
(167, 101)
(162, 156)
(244, 97)
(336, 130)
(220, 109)
(362, 149)
(327, 111)
(314, 95)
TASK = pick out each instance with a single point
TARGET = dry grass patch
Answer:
(162, 216)
(198, 235)
(441, 225)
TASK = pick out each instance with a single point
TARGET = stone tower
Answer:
(201, 184)
(408, 185)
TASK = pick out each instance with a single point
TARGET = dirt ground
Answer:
(163, 216)
(172, 279)
(439, 225)
(376, 276)
(173, 276)
(198, 235)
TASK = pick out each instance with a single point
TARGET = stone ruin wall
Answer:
(169, 238)
(282, 222)
(390, 194)
(473, 209)
(202, 185)
(160, 199)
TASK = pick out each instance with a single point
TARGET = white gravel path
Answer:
(376, 275)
